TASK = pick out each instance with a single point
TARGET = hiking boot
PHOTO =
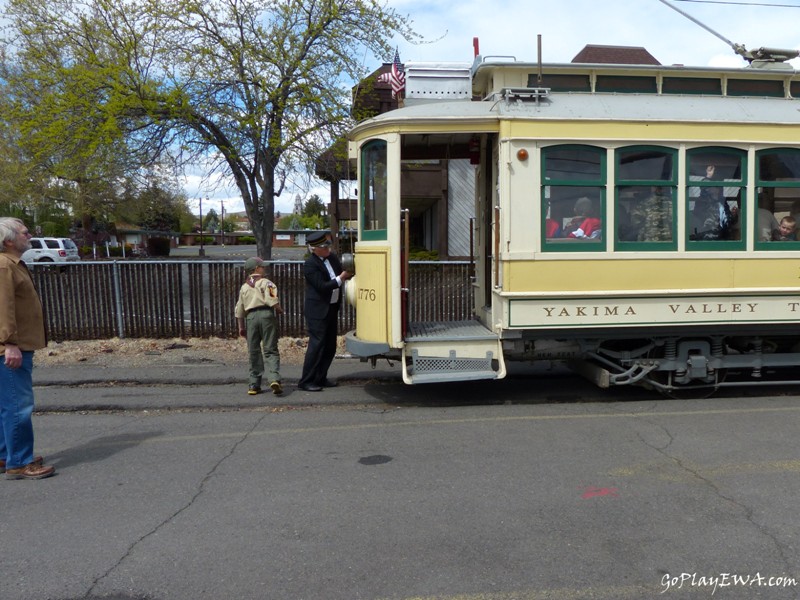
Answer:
(276, 388)
(31, 471)
(37, 460)
(253, 390)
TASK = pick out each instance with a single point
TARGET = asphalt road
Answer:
(378, 491)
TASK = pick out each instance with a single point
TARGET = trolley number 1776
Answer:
(367, 294)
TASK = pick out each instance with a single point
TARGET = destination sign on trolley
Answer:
(604, 312)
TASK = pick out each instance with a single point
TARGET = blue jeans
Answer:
(16, 408)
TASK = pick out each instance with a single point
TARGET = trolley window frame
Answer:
(597, 183)
(739, 222)
(770, 187)
(368, 193)
(628, 184)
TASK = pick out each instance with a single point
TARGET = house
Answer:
(615, 55)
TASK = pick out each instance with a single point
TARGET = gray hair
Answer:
(9, 229)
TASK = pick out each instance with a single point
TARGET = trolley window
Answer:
(755, 87)
(645, 192)
(778, 186)
(373, 197)
(716, 191)
(692, 85)
(573, 198)
(626, 85)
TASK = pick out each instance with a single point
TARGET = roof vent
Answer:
(438, 81)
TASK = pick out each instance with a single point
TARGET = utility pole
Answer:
(202, 250)
(222, 221)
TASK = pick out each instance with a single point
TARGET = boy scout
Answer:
(256, 310)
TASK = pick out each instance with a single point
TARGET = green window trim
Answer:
(373, 192)
(589, 164)
(770, 185)
(722, 158)
(630, 222)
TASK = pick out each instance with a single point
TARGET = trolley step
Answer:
(443, 351)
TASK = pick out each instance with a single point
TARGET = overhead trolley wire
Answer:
(730, 2)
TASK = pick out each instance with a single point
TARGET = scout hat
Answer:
(252, 263)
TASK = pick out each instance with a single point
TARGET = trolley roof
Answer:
(506, 94)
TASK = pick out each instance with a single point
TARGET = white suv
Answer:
(51, 250)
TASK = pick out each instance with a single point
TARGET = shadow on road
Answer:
(534, 386)
(98, 450)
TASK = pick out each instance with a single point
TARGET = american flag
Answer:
(396, 77)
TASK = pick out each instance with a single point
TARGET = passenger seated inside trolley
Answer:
(572, 219)
(767, 223)
(777, 216)
(787, 230)
(711, 217)
(648, 217)
(586, 223)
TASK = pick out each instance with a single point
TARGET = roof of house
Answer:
(615, 55)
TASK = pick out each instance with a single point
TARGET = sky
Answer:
(510, 28)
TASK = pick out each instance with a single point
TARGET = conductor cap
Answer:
(318, 239)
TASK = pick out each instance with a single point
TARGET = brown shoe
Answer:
(30, 471)
(277, 388)
(37, 460)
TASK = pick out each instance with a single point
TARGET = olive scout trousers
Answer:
(262, 343)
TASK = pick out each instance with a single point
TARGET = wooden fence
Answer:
(181, 299)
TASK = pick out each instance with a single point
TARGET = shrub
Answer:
(422, 254)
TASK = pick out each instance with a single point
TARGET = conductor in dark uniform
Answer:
(324, 289)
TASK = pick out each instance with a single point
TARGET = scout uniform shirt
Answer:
(256, 292)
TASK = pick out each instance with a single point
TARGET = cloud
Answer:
(511, 28)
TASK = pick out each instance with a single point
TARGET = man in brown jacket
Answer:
(21, 332)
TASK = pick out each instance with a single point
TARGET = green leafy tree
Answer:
(259, 88)
(313, 206)
(68, 149)
(301, 222)
(317, 211)
(211, 220)
(27, 190)
(160, 209)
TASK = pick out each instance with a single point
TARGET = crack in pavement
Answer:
(696, 473)
(170, 518)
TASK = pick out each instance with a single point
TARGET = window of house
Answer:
(645, 190)
(373, 196)
(778, 189)
(573, 198)
(716, 180)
